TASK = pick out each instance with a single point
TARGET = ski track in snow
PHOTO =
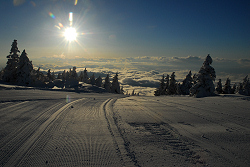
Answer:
(38, 128)
(80, 133)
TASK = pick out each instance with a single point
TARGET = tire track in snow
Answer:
(27, 144)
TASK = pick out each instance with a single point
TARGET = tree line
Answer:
(19, 70)
(201, 84)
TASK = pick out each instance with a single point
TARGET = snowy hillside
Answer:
(59, 128)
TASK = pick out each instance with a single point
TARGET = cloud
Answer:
(61, 56)
(144, 73)
(244, 62)
(142, 83)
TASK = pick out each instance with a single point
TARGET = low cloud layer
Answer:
(143, 73)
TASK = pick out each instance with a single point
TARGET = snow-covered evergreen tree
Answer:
(59, 76)
(64, 75)
(73, 73)
(53, 77)
(107, 84)
(85, 76)
(244, 88)
(24, 70)
(172, 85)
(219, 87)
(166, 84)
(92, 79)
(80, 78)
(178, 89)
(10, 71)
(1, 74)
(115, 86)
(204, 81)
(233, 89)
(98, 81)
(38, 78)
(67, 76)
(162, 87)
(49, 76)
(227, 87)
(187, 83)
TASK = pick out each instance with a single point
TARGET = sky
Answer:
(131, 36)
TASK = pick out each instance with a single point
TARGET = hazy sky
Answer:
(125, 31)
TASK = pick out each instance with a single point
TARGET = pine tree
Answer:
(49, 76)
(204, 80)
(10, 71)
(80, 78)
(1, 74)
(53, 77)
(161, 90)
(233, 89)
(24, 70)
(115, 86)
(67, 76)
(172, 85)
(85, 76)
(59, 76)
(178, 89)
(227, 87)
(166, 84)
(107, 84)
(74, 74)
(244, 88)
(64, 75)
(219, 87)
(92, 79)
(187, 83)
(98, 81)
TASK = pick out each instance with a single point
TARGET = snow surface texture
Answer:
(56, 128)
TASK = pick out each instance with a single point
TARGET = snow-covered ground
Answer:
(57, 128)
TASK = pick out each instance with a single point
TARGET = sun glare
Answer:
(70, 34)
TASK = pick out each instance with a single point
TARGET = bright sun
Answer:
(70, 34)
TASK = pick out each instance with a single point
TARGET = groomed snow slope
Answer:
(56, 128)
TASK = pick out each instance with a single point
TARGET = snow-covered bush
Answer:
(204, 80)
